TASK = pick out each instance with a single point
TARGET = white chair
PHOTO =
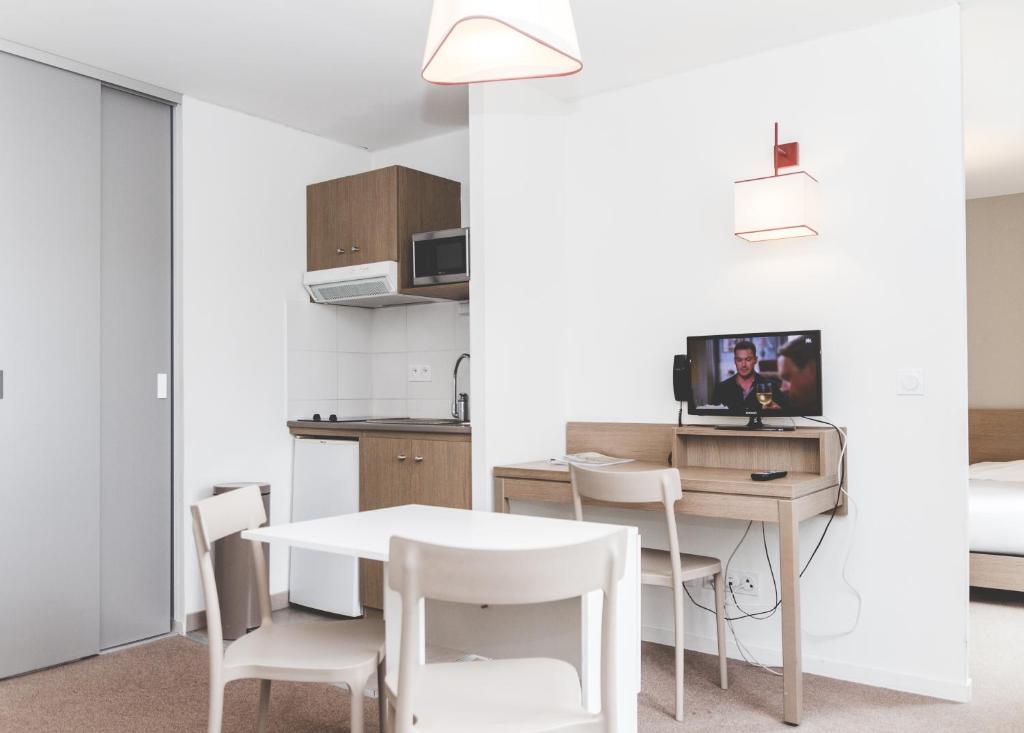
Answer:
(321, 651)
(506, 695)
(657, 567)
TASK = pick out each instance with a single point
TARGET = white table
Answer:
(368, 535)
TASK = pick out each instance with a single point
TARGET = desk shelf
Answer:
(721, 461)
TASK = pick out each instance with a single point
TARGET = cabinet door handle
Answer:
(418, 459)
(355, 247)
(401, 457)
(339, 251)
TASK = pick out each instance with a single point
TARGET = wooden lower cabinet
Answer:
(409, 469)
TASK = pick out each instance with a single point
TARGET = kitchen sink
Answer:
(416, 421)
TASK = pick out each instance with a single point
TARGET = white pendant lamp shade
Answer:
(495, 40)
(777, 207)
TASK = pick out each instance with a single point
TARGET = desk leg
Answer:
(792, 661)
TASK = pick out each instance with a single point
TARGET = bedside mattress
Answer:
(997, 508)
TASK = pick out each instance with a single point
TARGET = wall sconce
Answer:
(780, 206)
(495, 40)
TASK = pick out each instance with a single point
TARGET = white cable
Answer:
(849, 551)
(745, 653)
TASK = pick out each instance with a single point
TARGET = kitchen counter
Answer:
(328, 429)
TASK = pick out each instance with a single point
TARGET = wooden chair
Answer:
(657, 567)
(321, 651)
(508, 694)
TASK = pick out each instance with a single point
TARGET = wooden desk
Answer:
(715, 469)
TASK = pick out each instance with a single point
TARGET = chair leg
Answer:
(720, 617)
(382, 697)
(357, 689)
(216, 713)
(679, 652)
(264, 715)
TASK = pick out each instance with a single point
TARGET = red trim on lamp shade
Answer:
(501, 78)
(780, 175)
(814, 232)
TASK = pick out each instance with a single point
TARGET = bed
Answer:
(997, 499)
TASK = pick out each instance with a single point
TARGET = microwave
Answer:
(440, 257)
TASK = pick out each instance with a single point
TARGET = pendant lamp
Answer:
(781, 206)
(496, 40)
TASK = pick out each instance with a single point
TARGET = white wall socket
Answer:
(743, 584)
(420, 373)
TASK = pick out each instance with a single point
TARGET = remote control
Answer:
(767, 475)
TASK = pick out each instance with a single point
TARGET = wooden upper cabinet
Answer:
(371, 217)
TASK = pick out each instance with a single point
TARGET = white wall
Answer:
(646, 181)
(243, 215)
(442, 155)
(517, 155)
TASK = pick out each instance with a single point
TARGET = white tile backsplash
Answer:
(354, 328)
(354, 376)
(305, 409)
(355, 361)
(390, 376)
(312, 375)
(462, 328)
(431, 327)
(430, 408)
(355, 408)
(311, 327)
(441, 365)
(390, 408)
(389, 330)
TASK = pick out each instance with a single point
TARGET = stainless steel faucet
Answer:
(460, 401)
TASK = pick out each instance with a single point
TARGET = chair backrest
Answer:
(661, 485)
(624, 487)
(419, 570)
(214, 519)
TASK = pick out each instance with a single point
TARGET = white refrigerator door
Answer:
(325, 482)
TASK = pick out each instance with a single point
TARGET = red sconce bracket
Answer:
(786, 154)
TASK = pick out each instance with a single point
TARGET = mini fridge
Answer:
(325, 483)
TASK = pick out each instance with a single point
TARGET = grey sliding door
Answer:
(135, 526)
(50, 359)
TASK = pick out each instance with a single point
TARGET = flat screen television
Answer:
(768, 374)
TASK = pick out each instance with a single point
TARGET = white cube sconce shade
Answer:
(780, 206)
(498, 40)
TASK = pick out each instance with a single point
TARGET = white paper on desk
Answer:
(589, 458)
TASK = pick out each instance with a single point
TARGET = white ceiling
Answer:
(993, 38)
(349, 69)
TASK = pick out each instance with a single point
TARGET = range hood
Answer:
(373, 285)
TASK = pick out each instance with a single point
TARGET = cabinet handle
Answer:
(339, 251)
(418, 459)
(355, 247)
(401, 457)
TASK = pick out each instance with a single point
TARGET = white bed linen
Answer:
(997, 507)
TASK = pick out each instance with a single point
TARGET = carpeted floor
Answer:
(161, 686)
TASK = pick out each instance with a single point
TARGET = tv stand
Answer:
(755, 423)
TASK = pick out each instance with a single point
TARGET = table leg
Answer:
(792, 661)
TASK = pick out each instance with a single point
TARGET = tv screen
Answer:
(775, 374)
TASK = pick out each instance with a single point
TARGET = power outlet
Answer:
(742, 583)
(420, 373)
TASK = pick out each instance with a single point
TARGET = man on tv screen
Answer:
(739, 392)
(798, 367)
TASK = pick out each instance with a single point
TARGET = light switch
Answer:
(910, 381)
